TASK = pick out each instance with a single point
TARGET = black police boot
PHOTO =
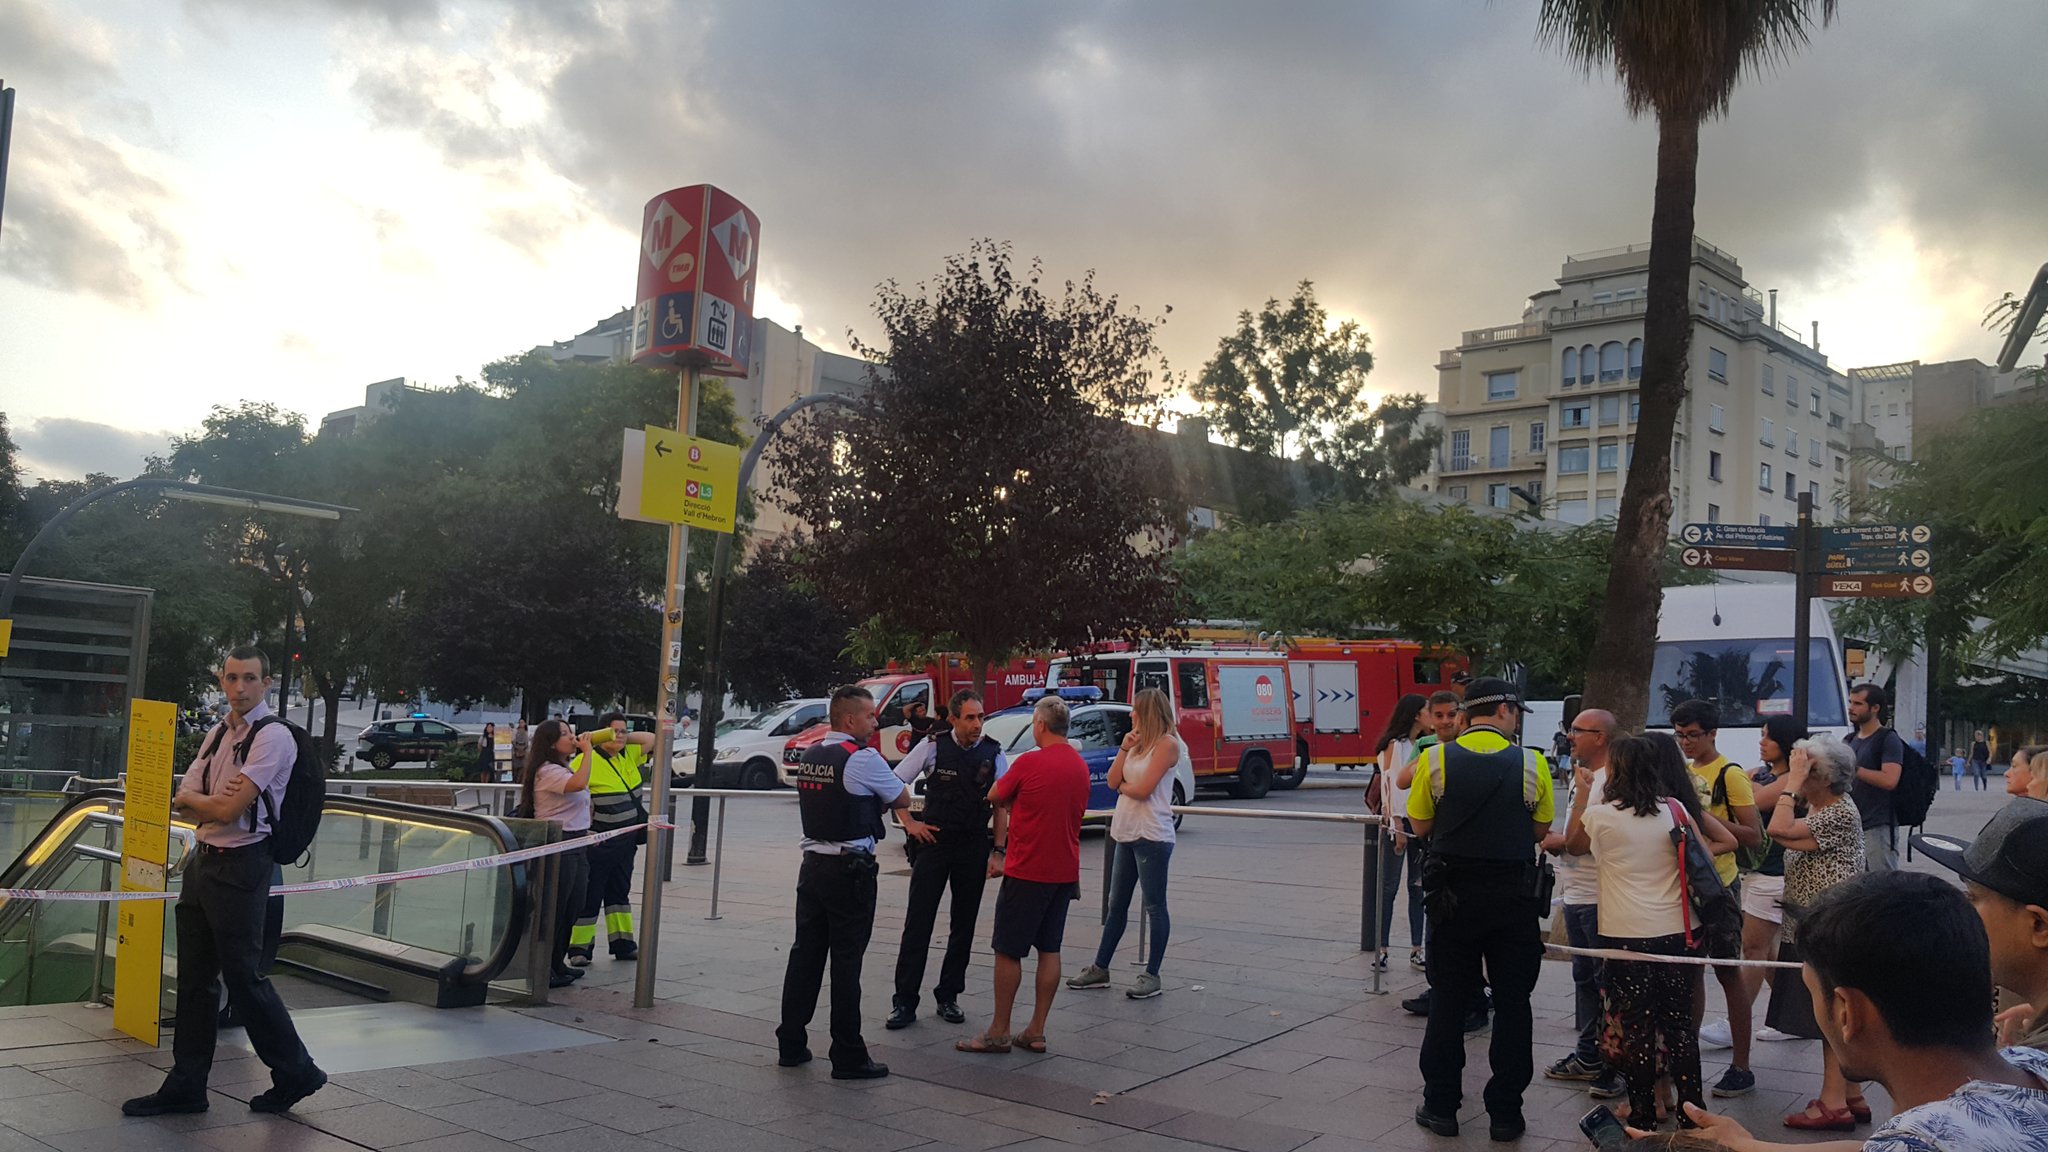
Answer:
(949, 1011)
(1441, 1124)
(1418, 1006)
(901, 1016)
(867, 1071)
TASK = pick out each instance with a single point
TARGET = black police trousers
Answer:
(961, 862)
(221, 914)
(835, 916)
(1489, 936)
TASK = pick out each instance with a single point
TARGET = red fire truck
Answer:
(1333, 697)
(895, 688)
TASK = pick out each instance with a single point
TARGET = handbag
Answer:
(1791, 1006)
(1713, 920)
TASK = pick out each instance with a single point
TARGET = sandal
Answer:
(1860, 1109)
(983, 1044)
(1030, 1043)
(1818, 1117)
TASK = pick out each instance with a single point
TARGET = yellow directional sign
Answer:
(6, 635)
(145, 850)
(689, 480)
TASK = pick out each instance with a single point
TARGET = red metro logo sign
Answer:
(694, 297)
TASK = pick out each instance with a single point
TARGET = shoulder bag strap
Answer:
(1680, 833)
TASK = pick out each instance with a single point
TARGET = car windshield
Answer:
(1010, 730)
(1746, 680)
(757, 722)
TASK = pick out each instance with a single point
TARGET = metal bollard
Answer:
(717, 860)
(1379, 900)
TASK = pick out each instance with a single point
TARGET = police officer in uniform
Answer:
(963, 765)
(842, 787)
(1485, 804)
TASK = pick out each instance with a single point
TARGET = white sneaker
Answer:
(1716, 1035)
(1769, 1033)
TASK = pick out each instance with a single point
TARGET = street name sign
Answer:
(1838, 536)
(1738, 535)
(1739, 559)
(1907, 559)
(1894, 586)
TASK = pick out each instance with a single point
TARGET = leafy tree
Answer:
(1289, 384)
(1495, 589)
(783, 639)
(14, 529)
(1680, 61)
(987, 485)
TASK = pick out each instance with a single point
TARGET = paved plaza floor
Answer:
(1266, 1040)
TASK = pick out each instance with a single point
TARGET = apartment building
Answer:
(1542, 413)
(1945, 393)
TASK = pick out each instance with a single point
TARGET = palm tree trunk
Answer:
(1618, 673)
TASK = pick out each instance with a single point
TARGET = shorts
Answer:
(1763, 897)
(1030, 914)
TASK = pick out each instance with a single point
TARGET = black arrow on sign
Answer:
(661, 448)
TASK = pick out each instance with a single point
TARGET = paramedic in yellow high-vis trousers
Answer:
(618, 766)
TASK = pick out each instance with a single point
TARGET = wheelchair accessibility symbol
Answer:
(673, 326)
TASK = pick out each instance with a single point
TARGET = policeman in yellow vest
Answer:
(1485, 804)
(616, 772)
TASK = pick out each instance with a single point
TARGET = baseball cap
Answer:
(1488, 693)
(2009, 856)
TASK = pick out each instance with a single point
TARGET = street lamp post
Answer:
(178, 489)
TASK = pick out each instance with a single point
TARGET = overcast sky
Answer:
(284, 200)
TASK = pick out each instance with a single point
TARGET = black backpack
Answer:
(293, 824)
(1918, 785)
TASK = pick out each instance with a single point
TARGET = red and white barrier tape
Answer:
(339, 883)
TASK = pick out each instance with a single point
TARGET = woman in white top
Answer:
(1629, 834)
(1142, 826)
(1384, 796)
(555, 785)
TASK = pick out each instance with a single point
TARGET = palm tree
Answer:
(1680, 61)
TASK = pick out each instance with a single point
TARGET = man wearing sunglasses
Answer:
(1578, 889)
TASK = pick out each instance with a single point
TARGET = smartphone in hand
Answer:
(1606, 1132)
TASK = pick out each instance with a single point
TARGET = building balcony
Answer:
(1597, 313)
(1608, 260)
(1505, 334)
(1510, 462)
(1450, 358)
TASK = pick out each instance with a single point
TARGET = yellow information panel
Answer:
(689, 480)
(145, 851)
(6, 635)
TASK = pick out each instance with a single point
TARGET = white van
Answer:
(1731, 644)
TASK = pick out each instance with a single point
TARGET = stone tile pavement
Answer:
(1267, 1039)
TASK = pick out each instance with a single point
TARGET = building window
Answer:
(1501, 385)
(1628, 456)
(1604, 508)
(1613, 361)
(1577, 415)
(1763, 477)
(1792, 444)
(1876, 410)
(1714, 415)
(1456, 492)
(1635, 359)
(1496, 495)
(1717, 364)
(1571, 459)
(1461, 450)
(1588, 364)
(1536, 436)
(1764, 520)
(1791, 484)
(1610, 410)
(1770, 381)
(1813, 449)
(1535, 490)
(1768, 434)
(1571, 367)
(1703, 295)
(1713, 513)
(1497, 446)
(1838, 464)
(1608, 454)
(1813, 492)
(1813, 403)
(1635, 409)
(1835, 420)
(1713, 465)
(1891, 409)
(1572, 511)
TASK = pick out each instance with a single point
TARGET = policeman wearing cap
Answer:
(1485, 803)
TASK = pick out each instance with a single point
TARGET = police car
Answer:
(1094, 728)
(417, 737)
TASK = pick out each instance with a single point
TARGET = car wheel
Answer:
(1180, 799)
(1254, 777)
(382, 758)
(758, 776)
(1298, 771)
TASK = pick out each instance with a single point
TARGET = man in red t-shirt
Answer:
(1044, 795)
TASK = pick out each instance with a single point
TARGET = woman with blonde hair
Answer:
(2027, 775)
(1142, 827)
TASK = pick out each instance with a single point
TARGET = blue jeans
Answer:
(1137, 862)
(1390, 891)
(1582, 930)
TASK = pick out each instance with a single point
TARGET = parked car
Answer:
(387, 742)
(750, 754)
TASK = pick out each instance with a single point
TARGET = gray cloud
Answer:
(82, 218)
(56, 448)
(1427, 165)
(44, 52)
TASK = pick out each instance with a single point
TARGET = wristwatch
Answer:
(1000, 849)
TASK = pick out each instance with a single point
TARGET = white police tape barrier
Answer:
(1644, 958)
(517, 856)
